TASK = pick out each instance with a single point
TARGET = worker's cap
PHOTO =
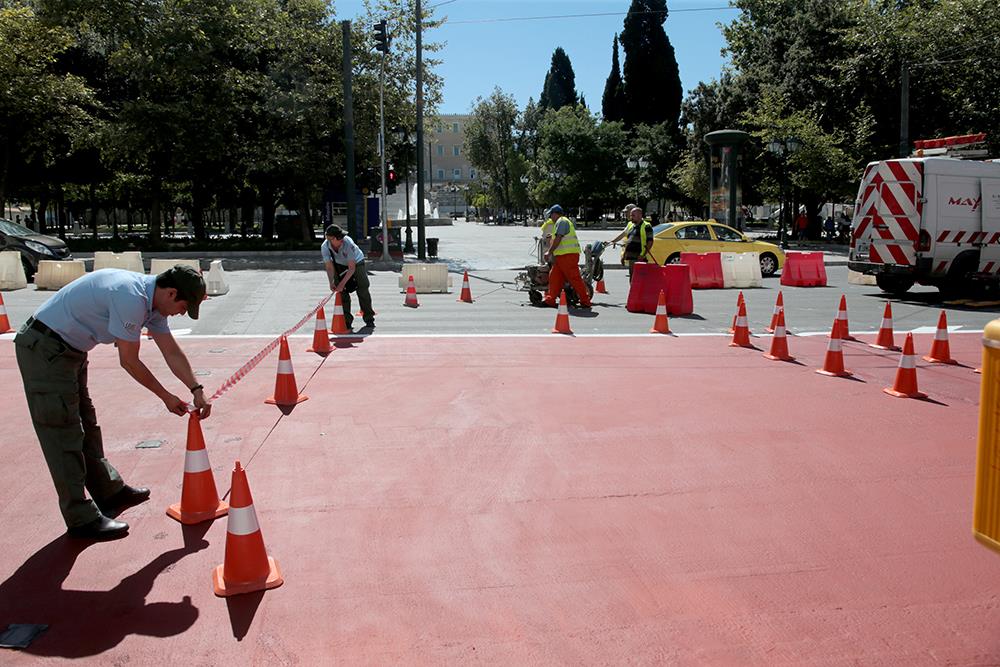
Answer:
(555, 208)
(628, 208)
(189, 284)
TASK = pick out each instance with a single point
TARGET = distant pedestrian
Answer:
(829, 228)
(345, 268)
(107, 306)
(564, 253)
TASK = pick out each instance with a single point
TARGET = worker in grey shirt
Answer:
(108, 306)
(344, 261)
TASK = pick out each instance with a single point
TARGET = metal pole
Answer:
(784, 206)
(383, 216)
(352, 214)
(421, 236)
(409, 232)
(904, 111)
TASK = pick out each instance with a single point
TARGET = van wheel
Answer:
(897, 285)
(959, 281)
(673, 259)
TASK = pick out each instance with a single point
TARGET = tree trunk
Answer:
(247, 211)
(267, 214)
(306, 219)
(154, 217)
(43, 208)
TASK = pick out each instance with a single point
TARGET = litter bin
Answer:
(432, 247)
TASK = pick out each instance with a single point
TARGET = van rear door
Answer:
(989, 257)
(887, 224)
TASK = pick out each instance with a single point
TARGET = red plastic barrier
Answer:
(804, 269)
(705, 269)
(649, 279)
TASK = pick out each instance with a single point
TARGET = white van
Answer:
(928, 220)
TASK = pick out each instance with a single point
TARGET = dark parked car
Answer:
(32, 246)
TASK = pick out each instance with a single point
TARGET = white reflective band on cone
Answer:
(779, 332)
(841, 314)
(661, 310)
(886, 324)
(741, 321)
(243, 521)
(941, 334)
(196, 461)
(562, 309)
(285, 367)
(908, 361)
(320, 324)
(834, 345)
(3, 310)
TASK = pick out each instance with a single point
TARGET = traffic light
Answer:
(381, 37)
(391, 179)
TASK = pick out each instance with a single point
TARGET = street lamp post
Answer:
(524, 181)
(783, 147)
(404, 139)
(633, 163)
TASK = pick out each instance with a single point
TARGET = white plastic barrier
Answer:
(215, 279)
(55, 275)
(158, 266)
(12, 271)
(426, 277)
(130, 261)
(741, 269)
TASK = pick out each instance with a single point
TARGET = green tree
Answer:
(560, 83)
(489, 144)
(613, 101)
(652, 80)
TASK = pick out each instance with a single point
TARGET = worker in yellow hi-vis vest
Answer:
(564, 253)
(639, 235)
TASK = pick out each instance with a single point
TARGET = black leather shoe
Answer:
(370, 325)
(101, 528)
(127, 496)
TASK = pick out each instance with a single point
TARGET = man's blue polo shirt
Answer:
(348, 251)
(102, 306)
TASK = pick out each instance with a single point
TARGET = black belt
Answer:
(44, 329)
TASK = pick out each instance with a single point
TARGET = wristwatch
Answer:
(196, 388)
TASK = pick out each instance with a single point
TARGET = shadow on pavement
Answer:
(86, 623)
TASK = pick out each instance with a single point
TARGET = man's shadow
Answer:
(85, 623)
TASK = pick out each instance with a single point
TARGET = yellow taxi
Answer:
(670, 239)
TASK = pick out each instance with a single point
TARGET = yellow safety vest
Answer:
(547, 226)
(569, 245)
(642, 234)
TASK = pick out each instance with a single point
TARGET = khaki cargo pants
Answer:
(55, 385)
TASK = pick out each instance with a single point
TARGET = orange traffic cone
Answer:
(741, 332)
(905, 385)
(4, 322)
(285, 391)
(884, 340)
(321, 339)
(739, 302)
(845, 330)
(411, 295)
(247, 567)
(562, 317)
(466, 290)
(779, 306)
(779, 343)
(339, 323)
(940, 349)
(833, 364)
(660, 324)
(199, 497)
(601, 289)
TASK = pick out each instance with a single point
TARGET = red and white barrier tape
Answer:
(245, 369)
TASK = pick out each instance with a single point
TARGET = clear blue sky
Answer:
(480, 54)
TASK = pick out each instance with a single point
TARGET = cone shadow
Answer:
(242, 610)
(347, 343)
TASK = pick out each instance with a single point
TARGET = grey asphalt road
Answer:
(266, 302)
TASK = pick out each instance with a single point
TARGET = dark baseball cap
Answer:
(189, 284)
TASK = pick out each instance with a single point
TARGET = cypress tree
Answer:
(560, 83)
(652, 80)
(613, 101)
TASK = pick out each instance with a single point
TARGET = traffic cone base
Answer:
(884, 340)
(286, 392)
(939, 361)
(833, 363)
(190, 518)
(901, 394)
(835, 374)
(199, 496)
(222, 589)
(338, 325)
(298, 399)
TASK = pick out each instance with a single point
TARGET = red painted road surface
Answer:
(529, 500)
